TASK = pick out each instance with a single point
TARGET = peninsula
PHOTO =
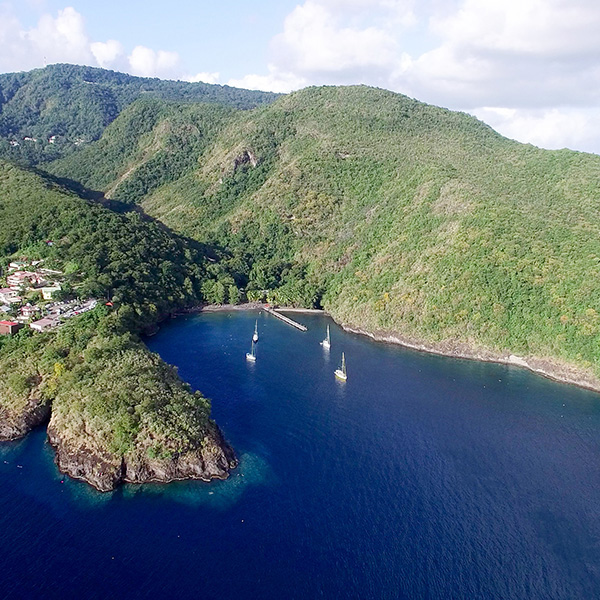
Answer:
(116, 411)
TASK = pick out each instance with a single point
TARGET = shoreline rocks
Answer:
(85, 459)
(15, 426)
(548, 368)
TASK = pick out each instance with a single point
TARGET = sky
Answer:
(528, 68)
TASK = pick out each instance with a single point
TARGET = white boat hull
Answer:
(340, 374)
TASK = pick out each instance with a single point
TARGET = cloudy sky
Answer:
(529, 68)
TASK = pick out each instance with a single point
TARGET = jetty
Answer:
(285, 319)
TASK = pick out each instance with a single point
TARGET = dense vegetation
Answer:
(392, 214)
(63, 107)
(158, 141)
(135, 263)
(97, 374)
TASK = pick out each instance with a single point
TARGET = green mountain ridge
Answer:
(394, 215)
(61, 108)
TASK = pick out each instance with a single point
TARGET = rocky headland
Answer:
(87, 458)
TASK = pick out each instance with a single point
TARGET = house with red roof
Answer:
(9, 327)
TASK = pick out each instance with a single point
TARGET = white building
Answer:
(44, 324)
(49, 291)
(23, 278)
(8, 296)
(16, 265)
(29, 310)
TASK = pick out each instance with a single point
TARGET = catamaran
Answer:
(326, 343)
(251, 356)
(341, 372)
(255, 336)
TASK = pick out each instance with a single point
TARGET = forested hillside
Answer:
(123, 257)
(117, 411)
(52, 112)
(157, 141)
(394, 215)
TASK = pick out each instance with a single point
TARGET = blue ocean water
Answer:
(420, 477)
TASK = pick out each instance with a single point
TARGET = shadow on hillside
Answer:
(212, 252)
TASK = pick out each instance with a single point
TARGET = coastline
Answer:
(549, 368)
(546, 367)
(248, 306)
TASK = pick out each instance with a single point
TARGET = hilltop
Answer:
(51, 112)
(399, 218)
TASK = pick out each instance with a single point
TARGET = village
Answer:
(35, 296)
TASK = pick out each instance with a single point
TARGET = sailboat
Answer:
(326, 343)
(251, 356)
(341, 372)
(255, 336)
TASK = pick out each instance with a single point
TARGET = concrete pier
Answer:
(285, 319)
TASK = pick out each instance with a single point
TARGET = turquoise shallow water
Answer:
(420, 477)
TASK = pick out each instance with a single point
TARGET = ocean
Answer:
(419, 477)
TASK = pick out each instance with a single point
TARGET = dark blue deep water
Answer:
(420, 477)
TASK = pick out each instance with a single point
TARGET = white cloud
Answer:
(14, 49)
(204, 77)
(107, 53)
(336, 42)
(544, 28)
(527, 53)
(54, 39)
(552, 128)
(315, 43)
(275, 81)
(150, 63)
(63, 38)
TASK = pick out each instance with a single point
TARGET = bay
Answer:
(419, 477)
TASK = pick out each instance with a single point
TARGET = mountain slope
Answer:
(62, 107)
(401, 217)
(154, 142)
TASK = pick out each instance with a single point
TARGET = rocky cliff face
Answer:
(212, 459)
(15, 424)
(84, 457)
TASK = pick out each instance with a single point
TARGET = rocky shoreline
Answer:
(85, 459)
(549, 368)
(160, 449)
(14, 426)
